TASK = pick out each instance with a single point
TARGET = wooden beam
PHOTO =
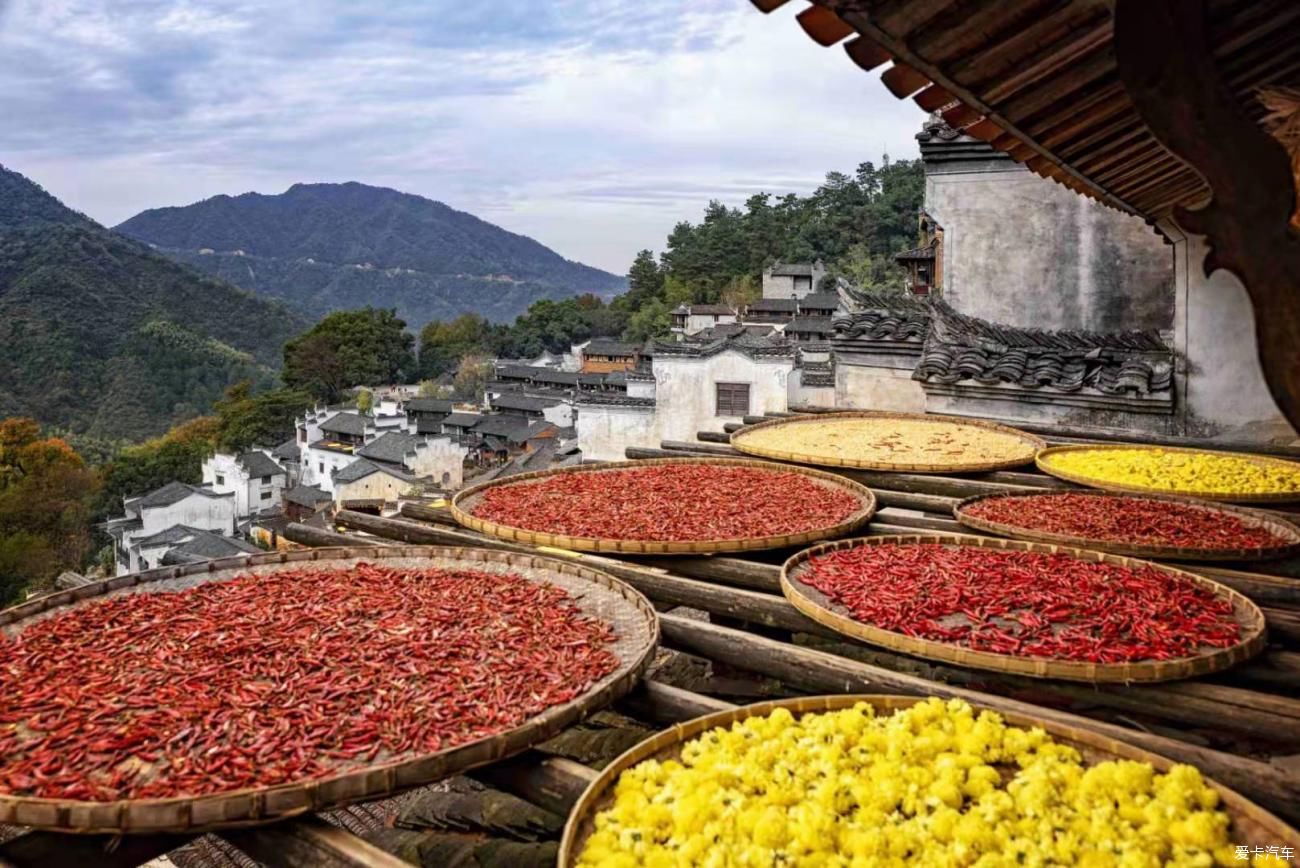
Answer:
(821, 672)
(310, 843)
(1162, 48)
(553, 783)
(54, 850)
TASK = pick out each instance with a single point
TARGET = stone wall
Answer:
(1022, 250)
(606, 430)
(687, 398)
(858, 387)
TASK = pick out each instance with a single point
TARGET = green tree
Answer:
(349, 348)
(444, 344)
(471, 378)
(177, 455)
(652, 320)
(45, 495)
(245, 420)
(365, 400)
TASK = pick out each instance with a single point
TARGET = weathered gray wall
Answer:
(1022, 250)
(1223, 386)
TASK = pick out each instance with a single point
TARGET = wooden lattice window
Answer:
(733, 399)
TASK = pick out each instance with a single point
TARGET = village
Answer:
(994, 563)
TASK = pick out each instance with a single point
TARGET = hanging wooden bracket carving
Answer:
(1164, 60)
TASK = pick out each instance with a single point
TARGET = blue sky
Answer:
(592, 126)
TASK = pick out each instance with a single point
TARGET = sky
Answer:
(591, 125)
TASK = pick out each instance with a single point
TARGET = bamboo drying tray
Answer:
(1250, 823)
(596, 593)
(1289, 534)
(463, 504)
(1043, 458)
(817, 606)
(741, 440)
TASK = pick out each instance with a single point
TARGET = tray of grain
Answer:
(901, 442)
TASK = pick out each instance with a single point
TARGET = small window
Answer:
(266, 480)
(266, 495)
(322, 467)
(733, 399)
(221, 480)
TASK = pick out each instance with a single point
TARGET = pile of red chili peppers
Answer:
(1136, 520)
(1024, 603)
(264, 680)
(672, 502)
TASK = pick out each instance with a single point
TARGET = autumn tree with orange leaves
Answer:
(45, 491)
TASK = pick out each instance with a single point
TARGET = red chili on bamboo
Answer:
(671, 502)
(295, 675)
(1024, 603)
(1132, 520)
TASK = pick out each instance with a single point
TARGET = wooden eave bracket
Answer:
(1163, 53)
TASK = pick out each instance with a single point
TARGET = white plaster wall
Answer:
(374, 486)
(319, 465)
(1223, 385)
(686, 393)
(560, 415)
(640, 388)
(197, 510)
(235, 480)
(1022, 250)
(605, 431)
(440, 455)
(865, 388)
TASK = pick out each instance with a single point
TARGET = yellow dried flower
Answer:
(1154, 469)
(924, 786)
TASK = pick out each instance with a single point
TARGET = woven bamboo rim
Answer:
(1285, 530)
(1043, 457)
(817, 606)
(1250, 822)
(635, 621)
(1032, 444)
(462, 506)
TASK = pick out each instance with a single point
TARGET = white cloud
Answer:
(593, 127)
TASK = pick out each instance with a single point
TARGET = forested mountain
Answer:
(102, 336)
(326, 247)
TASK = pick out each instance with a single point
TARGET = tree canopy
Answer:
(45, 492)
(349, 348)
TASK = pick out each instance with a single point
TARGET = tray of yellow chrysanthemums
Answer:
(1227, 476)
(899, 781)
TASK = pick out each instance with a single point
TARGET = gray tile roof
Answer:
(609, 347)
(174, 534)
(392, 447)
(524, 402)
(259, 464)
(289, 450)
(792, 269)
(818, 325)
(207, 545)
(427, 405)
(175, 492)
(462, 420)
(345, 423)
(512, 428)
(307, 495)
(819, 301)
(362, 467)
(711, 310)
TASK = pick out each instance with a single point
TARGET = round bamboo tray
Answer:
(596, 593)
(741, 441)
(462, 509)
(1288, 533)
(817, 606)
(1250, 823)
(1043, 458)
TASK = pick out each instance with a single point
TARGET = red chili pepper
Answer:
(671, 502)
(1123, 519)
(1025, 603)
(289, 676)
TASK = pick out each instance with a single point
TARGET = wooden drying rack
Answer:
(1230, 725)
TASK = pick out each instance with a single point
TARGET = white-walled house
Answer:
(254, 477)
(792, 279)
(691, 319)
(438, 459)
(557, 411)
(364, 479)
(694, 387)
(150, 518)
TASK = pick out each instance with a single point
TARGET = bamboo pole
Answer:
(821, 672)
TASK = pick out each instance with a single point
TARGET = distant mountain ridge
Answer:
(324, 247)
(102, 335)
